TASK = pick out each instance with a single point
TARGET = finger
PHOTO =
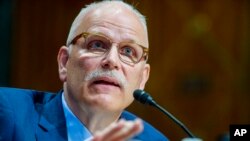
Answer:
(116, 128)
(130, 129)
(109, 132)
(120, 131)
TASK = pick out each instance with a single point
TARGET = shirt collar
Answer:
(75, 129)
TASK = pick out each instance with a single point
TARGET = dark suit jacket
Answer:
(29, 115)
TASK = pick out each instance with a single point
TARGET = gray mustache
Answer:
(106, 73)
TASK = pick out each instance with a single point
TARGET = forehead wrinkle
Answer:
(125, 23)
(106, 24)
(115, 12)
(127, 35)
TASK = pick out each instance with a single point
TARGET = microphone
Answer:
(145, 98)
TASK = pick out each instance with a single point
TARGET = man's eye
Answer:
(128, 51)
(97, 45)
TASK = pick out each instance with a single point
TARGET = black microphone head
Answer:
(143, 97)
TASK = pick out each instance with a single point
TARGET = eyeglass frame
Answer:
(86, 34)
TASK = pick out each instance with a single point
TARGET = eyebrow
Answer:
(108, 36)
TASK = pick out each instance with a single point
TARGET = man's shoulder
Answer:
(19, 97)
(149, 133)
(23, 92)
(23, 103)
(21, 108)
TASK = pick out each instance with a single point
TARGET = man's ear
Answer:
(62, 59)
(145, 76)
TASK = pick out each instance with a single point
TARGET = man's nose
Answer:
(111, 59)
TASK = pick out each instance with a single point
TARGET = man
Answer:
(103, 63)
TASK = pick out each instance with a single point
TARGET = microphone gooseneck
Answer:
(145, 98)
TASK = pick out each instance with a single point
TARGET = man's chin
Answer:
(105, 102)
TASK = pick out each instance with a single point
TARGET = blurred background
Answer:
(199, 56)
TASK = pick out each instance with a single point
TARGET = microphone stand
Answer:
(174, 119)
(191, 136)
(145, 98)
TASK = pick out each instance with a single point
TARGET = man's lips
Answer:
(106, 81)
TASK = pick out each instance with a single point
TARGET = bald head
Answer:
(114, 14)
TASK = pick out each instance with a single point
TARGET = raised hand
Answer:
(120, 131)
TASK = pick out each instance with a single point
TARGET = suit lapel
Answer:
(52, 123)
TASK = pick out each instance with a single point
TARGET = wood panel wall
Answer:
(198, 53)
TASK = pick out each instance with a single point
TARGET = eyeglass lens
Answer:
(129, 52)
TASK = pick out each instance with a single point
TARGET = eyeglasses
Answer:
(98, 44)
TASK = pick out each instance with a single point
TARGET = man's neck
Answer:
(93, 118)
